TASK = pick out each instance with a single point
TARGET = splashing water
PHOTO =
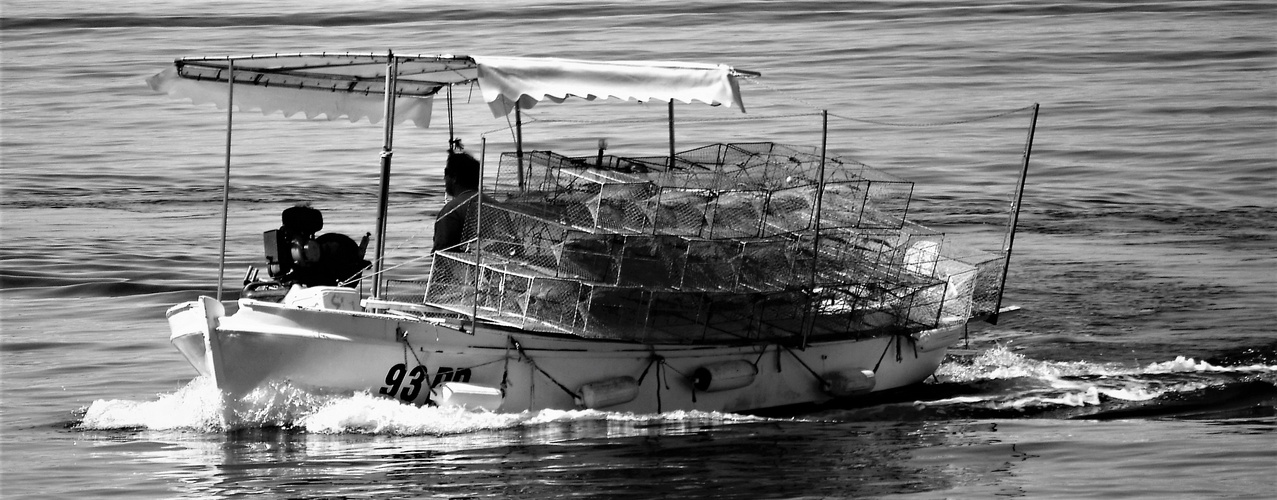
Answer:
(199, 406)
(196, 406)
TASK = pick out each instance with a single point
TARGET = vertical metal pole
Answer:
(820, 196)
(478, 237)
(452, 136)
(387, 151)
(1015, 213)
(671, 133)
(226, 177)
(518, 141)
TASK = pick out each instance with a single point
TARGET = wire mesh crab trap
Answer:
(727, 242)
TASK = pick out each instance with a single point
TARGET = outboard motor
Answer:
(295, 256)
(293, 245)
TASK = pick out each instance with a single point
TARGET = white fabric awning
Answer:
(290, 101)
(527, 81)
(352, 86)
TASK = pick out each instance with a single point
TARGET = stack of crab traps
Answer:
(723, 243)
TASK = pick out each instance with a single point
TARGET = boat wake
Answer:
(999, 383)
(996, 383)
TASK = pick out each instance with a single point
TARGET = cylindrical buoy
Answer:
(849, 383)
(724, 375)
(469, 396)
(610, 392)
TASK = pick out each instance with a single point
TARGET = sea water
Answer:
(1142, 364)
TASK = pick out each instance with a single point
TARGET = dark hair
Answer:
(464, 169)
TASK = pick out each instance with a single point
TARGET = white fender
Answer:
(610, 392)
(724, 375)
(469, 396)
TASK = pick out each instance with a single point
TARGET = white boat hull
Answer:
(344, 352)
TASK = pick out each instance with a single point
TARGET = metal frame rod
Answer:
(671, 108)
(226, 177)
(518, 141)
(816, 215)
(478, 238)
(1015, 215)
(452, 135)
(387, 151)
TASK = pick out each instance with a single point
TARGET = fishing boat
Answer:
(728, 277)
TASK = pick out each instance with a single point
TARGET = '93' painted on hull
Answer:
(406, 384)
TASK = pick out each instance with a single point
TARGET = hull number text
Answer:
(406, 384)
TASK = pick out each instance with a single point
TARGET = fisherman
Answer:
(461, 182)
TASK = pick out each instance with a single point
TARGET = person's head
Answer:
(461, 173)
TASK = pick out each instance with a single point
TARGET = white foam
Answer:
(199, 406)
(196, 406)
(1137, 394)
(1001, 363)
(1182, 364)
(365, 413)
(952, 401)
(1091, 396)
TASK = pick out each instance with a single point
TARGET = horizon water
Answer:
(1143, 363)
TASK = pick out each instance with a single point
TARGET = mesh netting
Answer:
(721, 244)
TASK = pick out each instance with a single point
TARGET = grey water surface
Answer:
(1142, 364)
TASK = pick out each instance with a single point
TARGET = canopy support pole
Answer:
(226, 177)
(387, 151)
(816, 215)
(671, 106)
(1015, 215)
(452, 136)
(478, 238)
(518, 141)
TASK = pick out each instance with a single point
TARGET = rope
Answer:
(508, 126)
(384, 270)
(532, 362)
(650, 361)
(352, 279)
(505, 371)
(760, 356)
(823, 382)
(676, 370)
(471, 367)
(402, 336)
(884, 353)
(658, 385)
